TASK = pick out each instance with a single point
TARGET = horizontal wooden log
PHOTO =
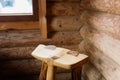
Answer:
(18, 25)
(65, 23)
(107, 44)
(111, 6)
(63, 8)
(23, 67)
(32, 37)
(24, 52)
(65, 0)
(16, 53)
(91, 73)
(102, 62)
(107, 23)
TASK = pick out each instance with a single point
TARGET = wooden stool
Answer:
(64, 58)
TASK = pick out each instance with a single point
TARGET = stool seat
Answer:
(69, 61)
(59, 57)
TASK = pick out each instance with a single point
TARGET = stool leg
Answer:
(50, 73)
(76, 74)
(43, 72)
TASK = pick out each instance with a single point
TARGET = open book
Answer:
(48, 51)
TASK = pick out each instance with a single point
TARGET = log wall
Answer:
(19, 39)
(93, 24)
(101, 39)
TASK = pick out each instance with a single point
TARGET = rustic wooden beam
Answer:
(64, 8)
(111, 6)
(33, 38)
(16, 53)
(42, 18)
(65, 0)
(107, 23)
(65, 23)
(18, 25)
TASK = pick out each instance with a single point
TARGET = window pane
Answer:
(16, 7)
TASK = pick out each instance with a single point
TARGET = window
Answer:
(18, 10)
(16, 18)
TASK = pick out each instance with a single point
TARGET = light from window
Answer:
(19, 10)
(16, 7)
